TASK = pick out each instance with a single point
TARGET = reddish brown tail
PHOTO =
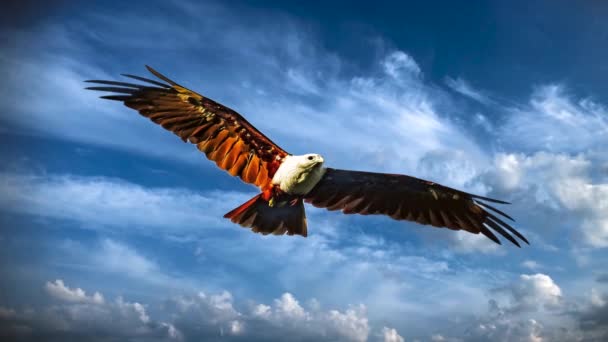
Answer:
(288, 218)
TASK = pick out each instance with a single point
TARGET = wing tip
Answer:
(488, 233)
(496, 223)
(161, 76)
(493, 200)
(501, 227)
(121, 98)
(147, 80)
(487, 206)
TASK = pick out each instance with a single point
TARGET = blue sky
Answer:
(112, 228)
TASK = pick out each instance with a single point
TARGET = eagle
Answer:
(286, 181)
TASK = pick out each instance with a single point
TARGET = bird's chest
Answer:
(297, 181)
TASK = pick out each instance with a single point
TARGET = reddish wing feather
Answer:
(407, 198)
(218, 131)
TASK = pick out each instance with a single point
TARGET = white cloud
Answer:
(399, 64)
(173, 333)
(597, 299)
(461, 86)
(559, 181)
(117, 260)
(517, 170)
(534, 310)
(391, 335)
(302, 83)
(402, 106)
(236, 327)
(56, 104)
(262, 310)
(352, 324)
(505, 329)
(194, 317)
(60, 291)
(531, 264)
(90, 318)
(127, 309)
(98, 201)
(437, 338)
(117, 257)
(288, 307)
(535, 291)
(286, 317)
(590, 201)
(555, 121)
(452, 167)
(465, 242)
(206, 315)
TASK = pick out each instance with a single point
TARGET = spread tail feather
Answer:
(258, 215)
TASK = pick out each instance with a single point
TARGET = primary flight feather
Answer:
(287, 181)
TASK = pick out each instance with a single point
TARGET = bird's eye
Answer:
(310, 157)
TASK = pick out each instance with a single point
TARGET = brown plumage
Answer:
(407, 198)
(218, 131)
(256, 213)
(229, 140)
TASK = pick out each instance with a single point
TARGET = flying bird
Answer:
(286, 181)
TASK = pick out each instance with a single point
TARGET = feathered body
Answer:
(286, 180)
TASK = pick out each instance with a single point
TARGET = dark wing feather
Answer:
(218, 131)
(407, 198)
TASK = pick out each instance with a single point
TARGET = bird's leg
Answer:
(269, 194)
(278, 198)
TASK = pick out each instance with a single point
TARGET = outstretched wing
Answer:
(407, 198)
(218, 131)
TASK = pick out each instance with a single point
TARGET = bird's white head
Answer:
(307, 161)
(299, 174)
